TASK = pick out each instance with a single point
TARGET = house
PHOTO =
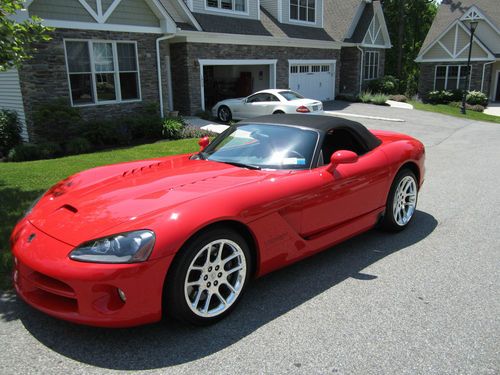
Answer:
(444, 54)
(110, 57)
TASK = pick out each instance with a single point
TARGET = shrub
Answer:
(440, 97)
(25, 152)
(379, 99)
(365, 97)
(385, 85)
(49, 150)
(477, 108)
(411, 86)
(477, 97)
(10, 131)
(191, 131)
(78, 145)
(399, 98)
(172, 128)
(56, 122)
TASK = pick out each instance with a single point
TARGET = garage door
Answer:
(315, 81)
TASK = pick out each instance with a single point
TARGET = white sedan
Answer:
(265, 102)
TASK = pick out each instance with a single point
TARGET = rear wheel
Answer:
(224, 114)
(208, 277)
(401, 202)
(277, 112)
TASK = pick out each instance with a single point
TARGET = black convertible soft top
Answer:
(321, 123)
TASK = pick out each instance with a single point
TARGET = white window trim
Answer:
(227, 11)
(302, 22)
(446, 76)
(93, 72)
(377, 53)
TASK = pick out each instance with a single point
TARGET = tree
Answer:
(17, 39)
(408, 22)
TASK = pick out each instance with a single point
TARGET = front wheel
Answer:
(224, 114)
(401, 202)
(208, 278)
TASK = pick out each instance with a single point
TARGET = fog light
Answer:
(122, 295)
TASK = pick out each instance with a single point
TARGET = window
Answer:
(231, 5)
(102, 71)
(303, 10)
(371, 65)
(450, 77)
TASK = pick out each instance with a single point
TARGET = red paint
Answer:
(203, 143)
(290, 214)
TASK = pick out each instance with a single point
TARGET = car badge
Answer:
(31, 237)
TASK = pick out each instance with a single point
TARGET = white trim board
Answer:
(224, 62)
(101, 26)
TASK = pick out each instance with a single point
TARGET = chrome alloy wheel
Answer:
(224, 114)
(215, 278)
(405, 200)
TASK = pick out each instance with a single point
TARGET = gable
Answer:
(90, 14)
(376, 35)
(453, 45)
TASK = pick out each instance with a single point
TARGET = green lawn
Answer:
(21, 183)
(452, 111)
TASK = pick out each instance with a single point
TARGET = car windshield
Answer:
(291, 95)
(264, 146)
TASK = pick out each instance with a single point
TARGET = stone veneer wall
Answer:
(186, 70)
(350, 70)
(427, 72)
(44, 78)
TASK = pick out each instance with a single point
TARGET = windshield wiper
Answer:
(236, 164)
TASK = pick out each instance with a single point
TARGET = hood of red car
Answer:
(87, 204)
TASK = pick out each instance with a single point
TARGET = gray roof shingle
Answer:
(451, 10)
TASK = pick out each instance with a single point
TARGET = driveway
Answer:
(424, 301)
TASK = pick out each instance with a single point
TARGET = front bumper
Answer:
(85, 293)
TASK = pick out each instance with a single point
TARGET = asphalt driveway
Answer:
(423, 301)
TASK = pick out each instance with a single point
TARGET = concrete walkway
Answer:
(493, 109)
(396, 104)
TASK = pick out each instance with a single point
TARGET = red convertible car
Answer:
(124, 244)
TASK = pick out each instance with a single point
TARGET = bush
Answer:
(10, 131)
(398, 98)
(365, 97)
(477, 97)
(191, 131)
(440, 97)
(56, 122)
(77, 146)
(410, 86)
(379, 99)
(49, 150)
(25, 152)
(475, 108)
(388, 85)
(172, 128)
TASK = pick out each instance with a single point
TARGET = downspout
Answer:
(484, 72)
(361, 68)
(158, 68)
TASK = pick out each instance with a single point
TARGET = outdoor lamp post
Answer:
(473, 26)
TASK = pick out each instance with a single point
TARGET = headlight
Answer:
(130, 247)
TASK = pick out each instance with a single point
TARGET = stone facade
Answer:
(350, 69)
(44, 77)
(427, 73)
(186, 70)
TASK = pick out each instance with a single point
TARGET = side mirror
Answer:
(204, 142)
(341, 157)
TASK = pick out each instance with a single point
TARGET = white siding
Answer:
(11, 97)
(271, 6)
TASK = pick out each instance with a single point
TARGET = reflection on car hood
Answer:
(89, 203)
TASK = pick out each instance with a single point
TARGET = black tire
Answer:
(278, 112)
(224, 113)
(389, 221)
(175, 304)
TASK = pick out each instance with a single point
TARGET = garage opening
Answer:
(224, 79)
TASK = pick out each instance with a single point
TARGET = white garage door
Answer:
(315, 81)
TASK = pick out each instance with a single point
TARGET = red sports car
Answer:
(124, 244)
